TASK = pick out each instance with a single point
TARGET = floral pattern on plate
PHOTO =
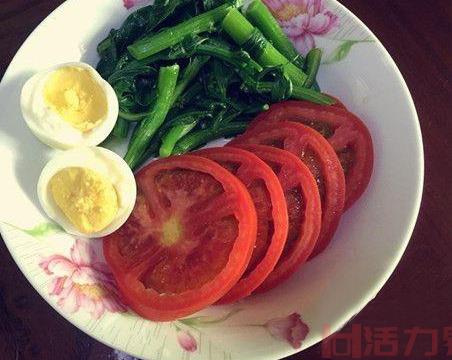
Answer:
(128, 4)
(82, 281)
(186, 340)
(302, 19)
(40, 230)
(290, 328)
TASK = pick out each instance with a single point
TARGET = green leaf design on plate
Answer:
(44, 229)
(40, 230)
(342, 50)
(198, 321)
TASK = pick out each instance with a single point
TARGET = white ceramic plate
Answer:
(70, 273)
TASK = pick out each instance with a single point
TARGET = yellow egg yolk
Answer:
(87, 198)
(74, 94)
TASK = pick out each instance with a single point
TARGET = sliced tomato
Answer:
(321, 160)
(303, 207)
(188, 240)
(346, 133)
(271, 210)
(338, 103)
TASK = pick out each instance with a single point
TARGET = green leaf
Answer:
(43, 229)
(341, 52)
(199, 321)
(40, 230)
(217, 78)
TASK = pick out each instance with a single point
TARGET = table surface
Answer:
(419, 293)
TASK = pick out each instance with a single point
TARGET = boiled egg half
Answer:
(69, 105)
(89, 191)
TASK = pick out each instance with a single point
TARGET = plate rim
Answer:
(404, 241)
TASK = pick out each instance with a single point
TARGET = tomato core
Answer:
(171, 231)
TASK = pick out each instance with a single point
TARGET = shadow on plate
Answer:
(29, 154)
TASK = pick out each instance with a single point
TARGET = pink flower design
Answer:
(186, 340)
(302, 19)
(131, 3)
(82, 281)
(290, 328)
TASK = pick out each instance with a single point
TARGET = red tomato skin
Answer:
(296, 135)
(350, 131)
(299, 176)
(338, 103)
(253, 168)
(147, 302)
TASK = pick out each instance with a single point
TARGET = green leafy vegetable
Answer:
(187, 97)
(171, 36)
(121, 129)
(140, 22)
(244, 34)
(217, 79)
(147, 128)
(200, 137)
(189, 73)
(131, 71)
(261, 17)
(312, 66)
(230, 69)
(180, 126)
(235, 57)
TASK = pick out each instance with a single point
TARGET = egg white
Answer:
(101, 160)
(49, 127)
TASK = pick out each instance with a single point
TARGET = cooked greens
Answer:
(166, 85)
(260, 16)
(232, 66)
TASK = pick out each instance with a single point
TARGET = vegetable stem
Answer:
(197, 138)
(171, 36)
(140, 22)
(189, 73)
(132, 116)
(104, 45)
(170, 139)
(272, 57)
(312, 65)
(229, 56)
(243, 33)
(184, 118)
(299, 93)
(166, 84)
(121, 129)
(314, 96)
(187, 76)
(261, 17)
(188, 95)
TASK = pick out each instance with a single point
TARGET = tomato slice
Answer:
(321, 160)
(303, 206)
(271, 210)
(346, 133)
(188, 240)
(338, 103)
